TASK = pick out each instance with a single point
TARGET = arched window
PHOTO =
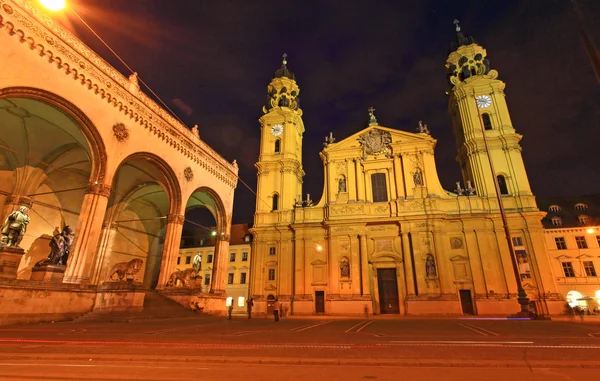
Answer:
(502, 185)
(554, 208)
(278, 146)
(487, 122)
(275, 201)
(581, 207)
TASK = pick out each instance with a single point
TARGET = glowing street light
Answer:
(214, 233)
(319, 247)
(54, 5)
(590, 231)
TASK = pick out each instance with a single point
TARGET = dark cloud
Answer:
(219, 58)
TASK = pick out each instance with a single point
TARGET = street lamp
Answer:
(53, 5)
(485, 101)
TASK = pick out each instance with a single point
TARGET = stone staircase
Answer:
(156, 306)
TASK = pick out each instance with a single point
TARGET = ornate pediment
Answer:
(270, 288)
(375, 142)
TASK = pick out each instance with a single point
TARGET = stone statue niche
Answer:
(430, 268)
(344, 268)
(14, 228)
(342, 185)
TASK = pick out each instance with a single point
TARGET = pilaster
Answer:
(87, 234)
(217, 285)
(170, 248)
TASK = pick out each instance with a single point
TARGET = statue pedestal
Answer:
(120, 296)
(48, 273)
(10, 258)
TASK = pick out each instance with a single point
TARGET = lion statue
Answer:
(124, 269)
(184, 277)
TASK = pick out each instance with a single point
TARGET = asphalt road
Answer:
(209, 348)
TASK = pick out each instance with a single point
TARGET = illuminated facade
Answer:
(197, 251)
(385, 236)
(572, 237)
(82, 145)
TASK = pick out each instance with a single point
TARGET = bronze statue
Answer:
(14, 228)
(60, 247)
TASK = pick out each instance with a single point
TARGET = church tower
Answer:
(280, 162)
(478, 106)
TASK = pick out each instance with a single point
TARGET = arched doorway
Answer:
(204, 229)
(144, 193)
(49, 153)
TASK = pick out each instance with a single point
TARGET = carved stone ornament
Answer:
(125, 269)
(375, 142)
(188, 173)
(183, 278)
(99, 189)
(456, 243)
(121, 132)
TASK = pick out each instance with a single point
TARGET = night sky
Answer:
(211, 62)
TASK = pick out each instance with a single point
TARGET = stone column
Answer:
(299, 267)
(398, 177)
(109, 230)
(360, 182)
(408, 265)
(170, 248)
(217, 285)
(87, 234)
(333, 262)
(364, 260)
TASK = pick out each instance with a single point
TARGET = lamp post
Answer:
(485, 101)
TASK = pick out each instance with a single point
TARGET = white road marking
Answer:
(127, 365)
(479, 330)
(356, 325)
(498, 344)
(307, 327)
(364, 326)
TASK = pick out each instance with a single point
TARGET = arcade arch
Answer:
(144, 199)
(205, 205)
(49, 154)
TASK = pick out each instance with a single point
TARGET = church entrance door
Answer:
(388, 291)
(466, 302)
(320, 302)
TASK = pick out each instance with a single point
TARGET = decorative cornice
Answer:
(34, 27)
(176, 219)
(99, 189)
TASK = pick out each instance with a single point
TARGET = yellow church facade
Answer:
(386, 237)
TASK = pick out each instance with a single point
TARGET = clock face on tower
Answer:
(277, 130)
(483, 101)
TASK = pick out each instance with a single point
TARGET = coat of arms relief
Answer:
(375, 142)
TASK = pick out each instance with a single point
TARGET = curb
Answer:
(389, 362)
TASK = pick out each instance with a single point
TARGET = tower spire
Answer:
(461, 39)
